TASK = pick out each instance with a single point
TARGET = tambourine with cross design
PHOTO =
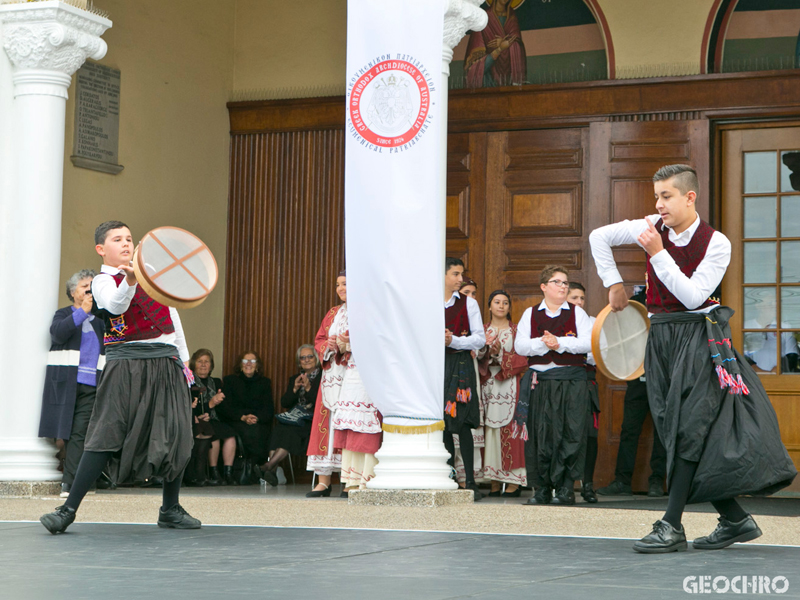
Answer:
(175, 267)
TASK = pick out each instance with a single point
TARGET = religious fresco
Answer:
(530, 42)
(762, 35)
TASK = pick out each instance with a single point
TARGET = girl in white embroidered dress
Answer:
(500, 369)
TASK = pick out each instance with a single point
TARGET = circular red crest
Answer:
(389, 103)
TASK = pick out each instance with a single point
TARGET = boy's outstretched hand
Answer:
(130, 275)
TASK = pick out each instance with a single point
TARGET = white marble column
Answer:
(45, 43)
(419, 461)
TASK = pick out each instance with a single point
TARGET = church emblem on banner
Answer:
(389, 104)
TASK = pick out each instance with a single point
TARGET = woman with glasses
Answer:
(248, 408)
(500, 371)
(293, 427)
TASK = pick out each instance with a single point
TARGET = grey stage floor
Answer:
(122, 561)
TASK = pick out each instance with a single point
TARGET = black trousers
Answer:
(634, 413)
(84, 404)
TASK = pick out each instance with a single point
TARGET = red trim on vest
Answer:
(456, 319)
(563, 325)
(688, 258)
(145, 319)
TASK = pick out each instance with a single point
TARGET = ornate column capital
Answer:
(47, 42)
(460, 16)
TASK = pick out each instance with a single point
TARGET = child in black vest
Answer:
(556, 336)
(143, 416)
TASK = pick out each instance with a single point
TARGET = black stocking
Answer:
(89, 469)
(679, 487)
(467, 454)
(450, 445)
(730, 509)
(170, 492)
(591, 459)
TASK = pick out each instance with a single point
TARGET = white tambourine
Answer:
(175, 267)
(619, 340)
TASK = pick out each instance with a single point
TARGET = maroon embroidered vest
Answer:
(563, 325)
(456, 319)
(145, 319)
(688, 258)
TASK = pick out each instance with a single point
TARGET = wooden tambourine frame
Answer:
(154, 291)
(598, 327)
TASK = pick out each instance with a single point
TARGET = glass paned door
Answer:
(770, 259)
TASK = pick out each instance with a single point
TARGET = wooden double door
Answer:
(518, 201)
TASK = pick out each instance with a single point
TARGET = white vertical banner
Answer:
(394, 207)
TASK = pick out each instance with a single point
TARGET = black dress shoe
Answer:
(542, 495)
(176, 517)
(493, 494)
(615, 488)
(319, 493)
(476, 492)
(59, 520)
(587, 493)
(515, 494)
(655, 489)
(728, 533)
(344, 494)
(664, 538)
(564, 496)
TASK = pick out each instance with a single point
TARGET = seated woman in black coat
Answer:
(209, 431)
(293, 427)
(248, 406)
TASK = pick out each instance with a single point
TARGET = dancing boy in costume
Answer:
(577, 296)
(143, 413)
(556, 336)
(463, 334)
(709, 408)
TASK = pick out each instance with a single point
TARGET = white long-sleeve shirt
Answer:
(527, 346)
(117, 299)
(690, 291)
(477, 338)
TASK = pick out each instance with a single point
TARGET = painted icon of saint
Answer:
(496, 55)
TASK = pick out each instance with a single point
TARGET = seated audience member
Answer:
(293, 427)
(248, 408)
(209, 431)
(69, 391)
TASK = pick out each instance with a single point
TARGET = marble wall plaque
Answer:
(96, 137)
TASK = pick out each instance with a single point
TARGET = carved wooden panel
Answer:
(632, 198)
(623, 158)
(466, 156)
(535, 183)
(547, 212)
